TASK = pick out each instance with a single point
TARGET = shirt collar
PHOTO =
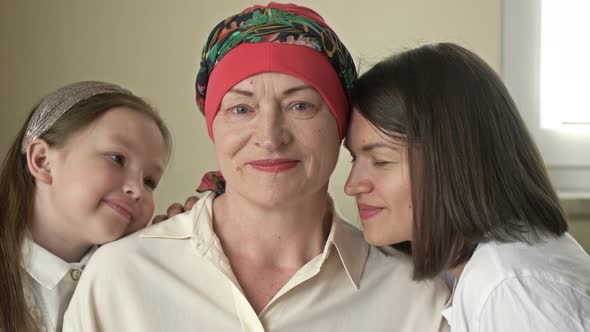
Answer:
(451, 282)
(196, 226)
(45, 267)
(350, 245)
(184, 225)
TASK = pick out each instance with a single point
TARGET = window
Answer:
(564, 66)
(545, 62)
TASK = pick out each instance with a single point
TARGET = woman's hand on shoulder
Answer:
(176, 208)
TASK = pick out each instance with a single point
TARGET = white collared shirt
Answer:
(48, 283)
(523, 288)
(174, 276)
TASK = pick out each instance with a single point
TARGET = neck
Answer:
(48, 232)
(288, 236)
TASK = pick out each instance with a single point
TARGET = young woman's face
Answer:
(104, 176)
(380, 182)
(276, 139)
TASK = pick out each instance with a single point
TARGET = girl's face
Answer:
(102, 179)
(380, 182)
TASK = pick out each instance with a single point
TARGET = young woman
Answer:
(442, 158)
(80, 173)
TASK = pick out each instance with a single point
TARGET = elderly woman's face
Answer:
(276, 139)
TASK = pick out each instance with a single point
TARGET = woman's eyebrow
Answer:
(285, 93)
(297, 88)
(373, 146)
(241, 92)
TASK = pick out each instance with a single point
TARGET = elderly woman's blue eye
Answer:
(240, 110)
(300, 106)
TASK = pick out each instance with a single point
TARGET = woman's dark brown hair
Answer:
(17, 191)
(476, 173)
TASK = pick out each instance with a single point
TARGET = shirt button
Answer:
(75, 274)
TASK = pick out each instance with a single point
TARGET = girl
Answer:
(80, 173)
(442, 158)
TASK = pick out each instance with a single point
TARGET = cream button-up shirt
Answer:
(48, 283)
(174, 276)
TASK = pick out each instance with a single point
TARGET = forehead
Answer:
(278, 81)
(124, 119)
(133, 128)
(362, 133)
(360, 130)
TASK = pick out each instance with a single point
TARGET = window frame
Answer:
(520, 38)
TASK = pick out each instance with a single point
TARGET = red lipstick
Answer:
(274, 165)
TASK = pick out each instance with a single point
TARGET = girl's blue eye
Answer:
(150, 183)
(381, 163)
(119, 159)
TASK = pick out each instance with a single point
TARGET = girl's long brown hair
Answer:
(17, 188)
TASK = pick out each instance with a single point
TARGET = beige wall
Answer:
(153, 49)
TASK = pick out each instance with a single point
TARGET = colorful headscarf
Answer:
(281, 38)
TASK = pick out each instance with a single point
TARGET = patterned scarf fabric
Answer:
(275, 23)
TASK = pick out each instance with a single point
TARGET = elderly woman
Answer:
(271, 253)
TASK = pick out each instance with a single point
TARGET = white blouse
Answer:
(516, 287)
(174, 276)
(48, 284)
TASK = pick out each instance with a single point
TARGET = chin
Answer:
(270, 202)
(271, 196)
(381, 239)
(375, 240)
(134, 227)
(109, 235)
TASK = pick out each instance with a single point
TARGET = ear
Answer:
(38, 161)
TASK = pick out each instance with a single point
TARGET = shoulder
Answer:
(385, 268)
(385, 259)
(396, 270)
(552, 258)
(349, 238)
(534, 277)
(542, 303)
(391, 273)
(162, 244)
(150, 244)
(110, 263)
(122, 271)
(394, 254)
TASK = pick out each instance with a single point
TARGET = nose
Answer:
(358, 182)
(134, 186)
(271, 129)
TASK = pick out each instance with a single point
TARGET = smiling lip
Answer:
(368, 211)
(121, 208)
(274, 165)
